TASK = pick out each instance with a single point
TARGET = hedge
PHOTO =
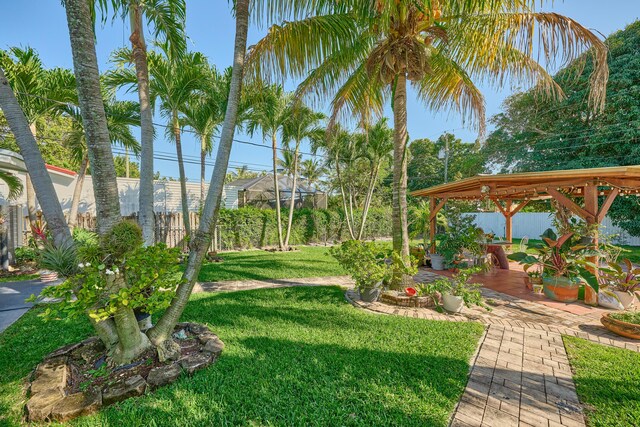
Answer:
(250, 227)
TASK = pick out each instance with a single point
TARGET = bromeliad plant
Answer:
(558, 257)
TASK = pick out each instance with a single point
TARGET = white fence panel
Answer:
(533, 224)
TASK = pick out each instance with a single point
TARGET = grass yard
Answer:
(294, 356)
(307, 261)
(608, 382)
(18, 277)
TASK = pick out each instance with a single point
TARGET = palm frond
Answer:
(14, 184)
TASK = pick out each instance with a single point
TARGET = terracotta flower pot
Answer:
(625, 329)
(561, 288)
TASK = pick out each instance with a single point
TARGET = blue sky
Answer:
(210, 26)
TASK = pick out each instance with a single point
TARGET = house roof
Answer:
(534, 185)
(265, 183)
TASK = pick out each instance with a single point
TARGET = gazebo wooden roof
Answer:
(512, 192)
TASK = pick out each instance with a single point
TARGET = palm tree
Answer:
(13, 183)
(364, 51)
(421, 221)
(167, 17)
(164, 328)
(312, 171)
(23, 132)
(121, 115)
(302, 123)
(376, 145)
(269, 113)
(175, 82)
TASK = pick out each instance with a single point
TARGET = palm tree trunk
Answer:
(35, 164)
(30, 192)
(276, 189)
(139, 52)
(367, 201)
(183, 178)
(132, 341)
(77, 191)
(344, 201)
(202, 238)
(400, 229)
(292, 205)
(203, 158)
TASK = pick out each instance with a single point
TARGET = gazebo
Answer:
(598, 187)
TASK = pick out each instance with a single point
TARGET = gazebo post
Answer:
(432, 223)
(508, 217)
(591, 206)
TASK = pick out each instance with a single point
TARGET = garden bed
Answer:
(401, 299)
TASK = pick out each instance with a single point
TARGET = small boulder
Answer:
(214, 346)
(75, 405)
(195, 362)
(180, 335)
(63, 351)
(40, 405)
(163, 375)
(203, 338)
(198, 329)
(130, 387)
(168, 350)
(50, 375)
(89, 352)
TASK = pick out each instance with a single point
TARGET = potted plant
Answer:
(534, 278)
(626, 324)
(563, 265)
(457, 292)
(366, 265)
(624, 283)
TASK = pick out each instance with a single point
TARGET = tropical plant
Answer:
(302, 123)
(269, 113)
(167, 18)
(62, 259)
(13, 183)
(458, 285)
(364, 261)
(623, 280)
(312, 171)
(461, 234)
(363, 52)
(419, 225)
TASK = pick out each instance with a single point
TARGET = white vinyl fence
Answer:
(533, 224)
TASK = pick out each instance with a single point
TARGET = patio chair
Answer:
(524, 244)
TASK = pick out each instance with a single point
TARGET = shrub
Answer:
(123, 238)
(25, 254)
(364, 261)
(62, 259)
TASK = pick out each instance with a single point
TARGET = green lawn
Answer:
(307, 261)
(18, 277)
(294, 356)
(608, 382)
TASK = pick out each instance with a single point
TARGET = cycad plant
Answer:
(364, 52)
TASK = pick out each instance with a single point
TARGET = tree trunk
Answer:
(292, 205)
(367, 201)
(276, 189)
(139, 51)
(400, 229)
(77, 192)
(183, 178)
(105, 187)
(38, 173)
(30, 192)
(203, 168)
(344, 200)
(201, 240)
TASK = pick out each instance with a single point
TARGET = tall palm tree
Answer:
(36, 89)
(121, 115)
(174, 81)
(312, 171)
(376, 145)
(269, 113)
(302, 123)
(39, 176)
(202, 238)
(167, 18)
(364, 51)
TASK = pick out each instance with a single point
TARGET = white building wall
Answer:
(533, 224)
(167, 194)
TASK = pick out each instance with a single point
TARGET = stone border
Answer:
(406, 301)
(50, 399)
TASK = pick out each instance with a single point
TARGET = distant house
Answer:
(260, 192)
(166, 198)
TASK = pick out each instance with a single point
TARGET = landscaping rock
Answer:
(195, 362)
(198, 329)
(168, 350)
(181, 334)
(203, 338)
(130, 387)
(89, 352)
(63, 351)
(76, 405)
(50, 375)
(163, 375)
(214, 346)
(40, 405)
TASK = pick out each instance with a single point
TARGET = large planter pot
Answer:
(561, 289)
(452, 303)
(369, 294)
(437, 262)
(47, 276)
(626, 298)
(629, 330)
(144, 319)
